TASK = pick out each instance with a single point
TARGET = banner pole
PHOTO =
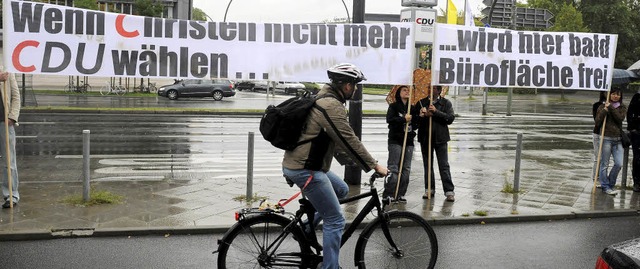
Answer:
(430, 159)
(404, 145)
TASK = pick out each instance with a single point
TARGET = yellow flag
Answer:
(452, 13)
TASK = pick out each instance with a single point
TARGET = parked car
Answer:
(290, 87)
(244, 85)
(625, 254)
(216, 88)
(263, 85)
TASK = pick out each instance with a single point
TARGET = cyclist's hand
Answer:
(383, 171)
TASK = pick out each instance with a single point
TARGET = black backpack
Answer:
(282, 124)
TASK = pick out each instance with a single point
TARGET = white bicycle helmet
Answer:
(345, 73)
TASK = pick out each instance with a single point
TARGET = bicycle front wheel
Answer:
(259, 242)
(415, 243)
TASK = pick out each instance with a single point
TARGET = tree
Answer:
(148, 8)
(86, 4)
(569, 19)
(198, 15)
(616, 17)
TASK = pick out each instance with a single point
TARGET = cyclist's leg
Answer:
(322, 196)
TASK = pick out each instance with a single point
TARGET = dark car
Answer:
(620, 255)
(216, 88)
(244, 85)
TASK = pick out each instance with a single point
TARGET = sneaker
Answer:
(611, 192)
(402, 200)
(450, 198)
(8, 205)
(426, 194)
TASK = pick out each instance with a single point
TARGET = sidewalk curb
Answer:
(219, 229)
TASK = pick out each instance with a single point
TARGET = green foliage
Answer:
(86, 4)
(148, 8)
(568, 19)
(95, 198)
(480, 213)
(198, 15)
(616, 17)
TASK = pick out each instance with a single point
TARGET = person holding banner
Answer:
(442, 115)
(10, 107)
(611, 114)
(633, 125)
(398, 117)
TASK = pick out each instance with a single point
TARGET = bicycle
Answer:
(110, 89)
(266, 238)
(81, 87)
(149, 88)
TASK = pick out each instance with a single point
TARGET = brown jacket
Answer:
(614, 116)
(328, 130)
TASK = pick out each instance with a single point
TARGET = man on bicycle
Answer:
(326, 128)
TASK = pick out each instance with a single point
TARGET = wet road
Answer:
(556, 244)
(206, 147)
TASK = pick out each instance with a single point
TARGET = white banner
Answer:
(58, 40)
(501, 58)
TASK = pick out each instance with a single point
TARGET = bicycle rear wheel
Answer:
(417, 246)
(104, 90)
(259, 242)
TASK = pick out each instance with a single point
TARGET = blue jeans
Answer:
(610, 147)
(323, 192)
(393, 163)
(14, 166)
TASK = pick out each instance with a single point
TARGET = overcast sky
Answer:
(305, 11)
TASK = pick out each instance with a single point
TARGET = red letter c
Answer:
(120, 29)
(15, 57)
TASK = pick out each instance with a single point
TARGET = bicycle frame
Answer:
(374, 203)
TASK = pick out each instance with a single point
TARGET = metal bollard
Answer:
(516, 172)
(86, 165)
(250, 168)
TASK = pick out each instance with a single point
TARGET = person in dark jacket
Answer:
(614, 111)
(398, 117)
(633, 125)
(596, 134)
(441, 111)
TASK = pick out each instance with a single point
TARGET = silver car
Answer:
(216, 88)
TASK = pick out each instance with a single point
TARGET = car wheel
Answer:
(172, 95)
(217, 95)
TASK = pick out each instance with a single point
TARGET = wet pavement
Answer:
(196, 190)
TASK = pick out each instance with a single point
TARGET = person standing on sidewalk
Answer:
(614, 111)
(442, 115)
(633, 125)
(398, 118)
(596, 134)
(327, 128)
(12, 109)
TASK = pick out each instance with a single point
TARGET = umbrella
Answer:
(634, 67)
(621, 76)
(421, 86)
